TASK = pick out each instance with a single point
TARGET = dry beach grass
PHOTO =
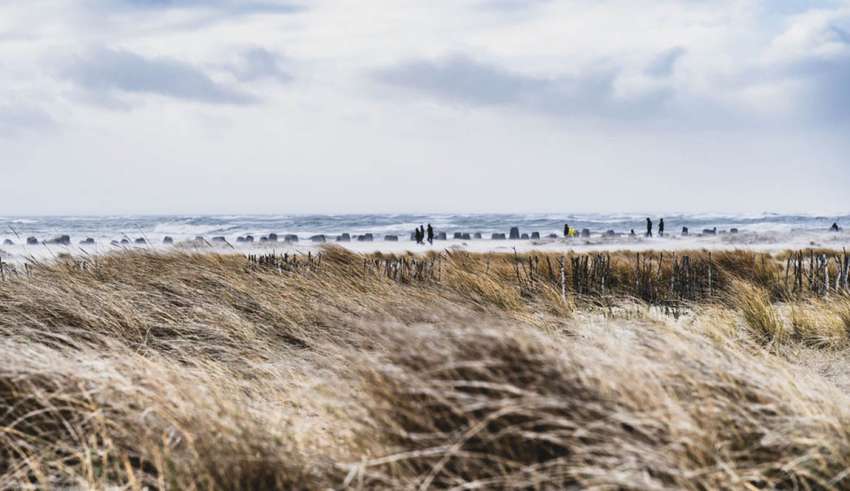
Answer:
(460, 371)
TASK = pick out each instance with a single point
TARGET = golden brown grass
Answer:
(204, 371)
(759, 314)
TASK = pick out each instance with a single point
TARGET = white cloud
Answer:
(116, 72)
(344, 105)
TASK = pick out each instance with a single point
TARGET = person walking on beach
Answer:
(422, 234)
(648, 227)
(418, 235)
(566, 230)
(430, 234)
(661, 228)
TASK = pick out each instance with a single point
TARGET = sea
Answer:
(181, 227)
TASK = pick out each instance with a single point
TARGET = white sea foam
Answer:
(758, 231)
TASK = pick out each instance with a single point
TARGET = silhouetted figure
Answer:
(685, 231)
(430, 234)
(417, 235)
(648, 227)
(422, 234)
(661, 228)
(835, 228)
(566, 230)
(632, 233)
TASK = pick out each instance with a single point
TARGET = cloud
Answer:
(664, 64)
(189, 14)
(511, 5)
(827, 97)
(117, 72)
(463, 80)
(814, 53)
(259, 64)
(16, 118)
(231, 6)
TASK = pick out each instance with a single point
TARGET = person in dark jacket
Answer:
(430, 234)
(648, 227)
(566, 230)
(661, 228)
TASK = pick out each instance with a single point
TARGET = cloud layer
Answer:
(107, 71)
(231, 106)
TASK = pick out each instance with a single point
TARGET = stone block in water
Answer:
(497, 237)
(272, 238)
(219, 239)
(585, 233)
(524, 237)
(391, 238)
(141, 241)
(477, 235)
(88, 241)
(514, 233)
(60, 240)
(535, 235)
(32, 241)
(457, 235)
(286, 238)
(167, 240)
(466, 236)
(441, 236)
(343, 237)
(8, 242)
(365, 238)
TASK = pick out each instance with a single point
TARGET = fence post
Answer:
(563, 280)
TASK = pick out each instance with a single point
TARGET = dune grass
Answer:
(205, 371)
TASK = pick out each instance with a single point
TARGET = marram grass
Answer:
(204, 371)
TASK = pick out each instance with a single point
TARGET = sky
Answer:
(391, 106)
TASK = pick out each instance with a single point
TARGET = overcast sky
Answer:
(336, 106)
